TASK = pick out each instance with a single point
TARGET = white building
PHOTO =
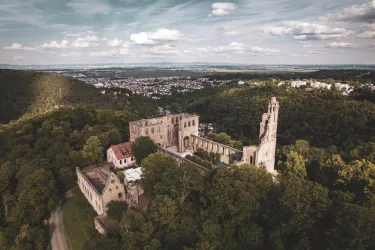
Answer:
(132, 184)
(121, 155)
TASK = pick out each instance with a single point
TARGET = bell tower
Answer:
(265, 154)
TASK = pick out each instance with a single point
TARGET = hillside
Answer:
(25, 92)
(322, 117)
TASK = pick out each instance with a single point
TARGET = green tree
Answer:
(143, 147)
(116, 209)
(36, 196)
(92, 150)
(294, 165)
(358, 177)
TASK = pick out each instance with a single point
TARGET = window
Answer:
(120, 195)
(193, 122)
(152, 130)
(116, 187)
(110, 190)
(189, 124)
(132, 159)
(172, 120)
(180, 117)
(161, 136)
(184, 124)
(120, 161)
(112, 181)
(146, 131)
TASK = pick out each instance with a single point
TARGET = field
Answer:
(78, 217)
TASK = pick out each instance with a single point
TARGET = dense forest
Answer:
(38, 157)
(322, 117)
(323, 197)
(28, 92)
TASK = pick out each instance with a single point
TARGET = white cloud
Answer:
(55, 45)
(153, 38)
(86, 42)
(220, 12)
(367, 32)
(142, 39)
(225, 31)
(222, 9)
(340, 45)
(258, 50)
(18, 46)
(166, 35)
(71, 54)
(307, 31)
(110, 53)
(356, 13)
(165, 49)
(115, 42)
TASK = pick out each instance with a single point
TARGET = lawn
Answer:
(78, 217)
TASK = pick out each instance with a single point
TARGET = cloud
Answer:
(71, 54)
(115, 42)
(222, 9)
(340, 45)
(55, 45)
(258, 50)
(367, 32)
(219, 29)
(85, 42)
(165, 49)
(157, 37)
(307, 31)
(18, 46)
(90, 7)
(110, 53)
(355, 13)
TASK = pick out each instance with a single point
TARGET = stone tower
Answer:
(263, 155)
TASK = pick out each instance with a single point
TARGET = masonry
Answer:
(177, 135)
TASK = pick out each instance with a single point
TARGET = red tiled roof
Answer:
(123, 150)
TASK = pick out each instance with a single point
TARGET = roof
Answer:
(133, 174)
(123, 151)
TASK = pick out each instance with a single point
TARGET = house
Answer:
(121, 155)
(100, 186)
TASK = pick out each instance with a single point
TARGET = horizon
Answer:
(41, 32)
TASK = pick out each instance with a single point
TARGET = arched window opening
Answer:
(189, 124)
(184, 124)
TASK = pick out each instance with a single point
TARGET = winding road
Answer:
(57, 231)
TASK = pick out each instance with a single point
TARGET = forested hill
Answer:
(322, 117)
(24, 92)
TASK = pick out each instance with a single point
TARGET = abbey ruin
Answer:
(177, 135)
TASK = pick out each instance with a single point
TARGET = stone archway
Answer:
(175, 135)
(186, 143)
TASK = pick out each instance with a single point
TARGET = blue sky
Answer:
(130, 31)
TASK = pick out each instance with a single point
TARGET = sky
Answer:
(146, 31)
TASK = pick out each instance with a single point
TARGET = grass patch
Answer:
(78, 217)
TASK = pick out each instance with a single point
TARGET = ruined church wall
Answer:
(92, 196)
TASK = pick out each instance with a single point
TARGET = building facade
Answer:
(181, 131)
(100, 186)
(121, 155)
(167, 131)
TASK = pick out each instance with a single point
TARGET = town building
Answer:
(100, 186)
(132, 184)
(121, 155)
